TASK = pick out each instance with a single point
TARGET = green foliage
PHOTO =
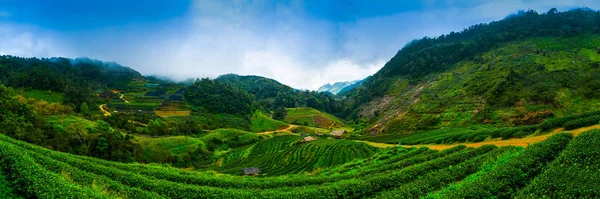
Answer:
(216, 97)
(6, 190)
(285, 155)
(453, 135)
(574, 174)
(559, 122)
(272, 94)
(48, 96)
(504, 181)
(394, 172)
(35, 181)
(485, 169)
(261, 123)
(312, 117)
(432, 55)
(280, 113)
(581, 122)
(434, 180)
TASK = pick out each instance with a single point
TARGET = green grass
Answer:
(312, 117)
(66, 121)
(170, 148)
(176, 144)
(261, 123)
(50, 97)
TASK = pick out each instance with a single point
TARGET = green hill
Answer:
(261, 123)
(517, 71)
(532, 76)
(312, 117)
(35, 172)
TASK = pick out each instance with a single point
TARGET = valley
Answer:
(507, 109)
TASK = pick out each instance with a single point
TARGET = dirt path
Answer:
(288, 129)
(120, 95)
(106, 113)
(122, 98)
(524, 142)
(138, 123)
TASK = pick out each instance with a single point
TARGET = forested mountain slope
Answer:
(517, 71)
(272, 94)
(76, 78)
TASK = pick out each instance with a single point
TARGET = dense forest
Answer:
(76, 78)
(271, 94)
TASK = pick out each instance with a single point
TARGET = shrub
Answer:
(505, 180)
(581, 122)
(574, 174)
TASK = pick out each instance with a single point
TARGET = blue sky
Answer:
(304, 44)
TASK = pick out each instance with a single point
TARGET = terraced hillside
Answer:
(459, 172)
(288, 155)
(312, 117)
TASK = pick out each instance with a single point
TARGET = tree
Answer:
(102, 145)
(84, 109)
(216, 97)
(280, 113)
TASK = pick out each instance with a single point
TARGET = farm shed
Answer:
(337, 133)
(308, 139)
(250, 171)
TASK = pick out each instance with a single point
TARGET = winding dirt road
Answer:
(288, 129)
(103, 109)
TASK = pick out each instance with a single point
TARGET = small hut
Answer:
(337, 133)
(251, 171)
(308, 139)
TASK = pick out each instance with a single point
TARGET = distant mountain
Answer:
(272, 94)
(335, 88)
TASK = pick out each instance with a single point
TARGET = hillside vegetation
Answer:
(514, 72)
(530, 77)
(395, 172)
(312, 117)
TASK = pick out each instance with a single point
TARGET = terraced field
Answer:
(559, 167)
(287, 155)
(462, 135)
(312, 117)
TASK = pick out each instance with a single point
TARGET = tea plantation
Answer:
(561, 166)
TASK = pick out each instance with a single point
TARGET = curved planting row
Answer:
(449, 136)
(505, 180)
(574, 174)
(459, 172)
(296, 157)
(435, 180)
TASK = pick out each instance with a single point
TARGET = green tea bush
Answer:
(549, 124)
(581, 122)
(574, 174)
(504, 181)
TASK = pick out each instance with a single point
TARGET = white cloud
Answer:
(27, 41)
(276, 41)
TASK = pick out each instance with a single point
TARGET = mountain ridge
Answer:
(337, 87)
